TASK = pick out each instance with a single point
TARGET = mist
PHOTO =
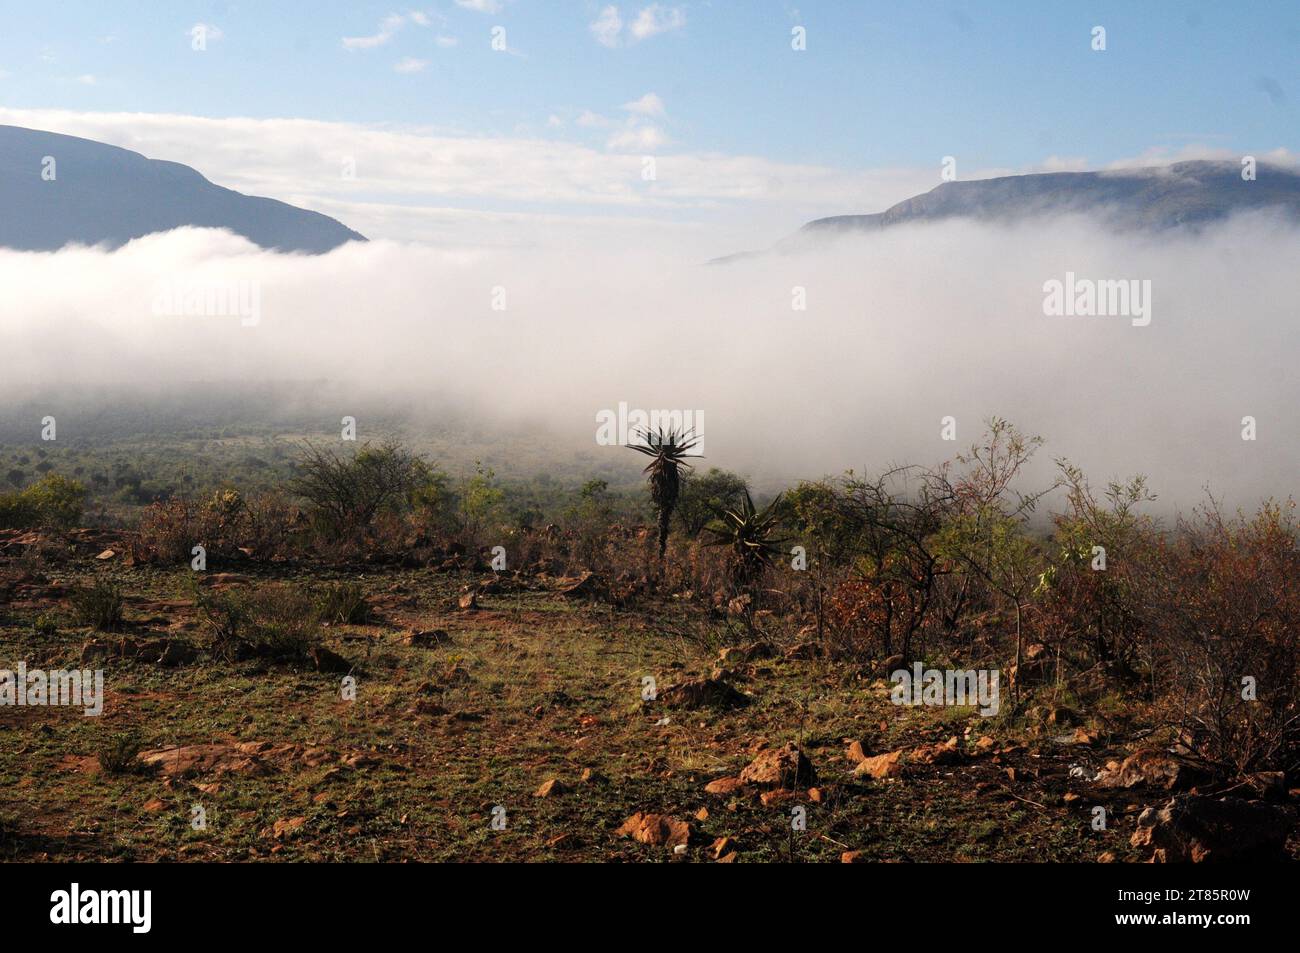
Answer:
(900, 329)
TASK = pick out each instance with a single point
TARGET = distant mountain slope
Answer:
(1183, 195)
(103, 194)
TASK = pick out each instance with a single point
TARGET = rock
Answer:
(853, 857)
(724, 786)
(739, 607)
(468, 600)
(881, 766)
(590, 776)
(175, 652)
(984, 743)
(421, 638)
(324, 660)
(1268, 785)
(731, 657)
(702, 815)
(816, 795)
(890, 665)
(1148, 767)
(703, 693)
(154, 805)
(218, 759)
(551, 788)
(1201, 829)
(588, 585)
(1107, 857)
(106, 554)
(656, 829)
(427, 706)
(286, 827)
(219, 581)
(946, 753)
(1062, 717)
(729, 858)
(803, 651)
(783, 767)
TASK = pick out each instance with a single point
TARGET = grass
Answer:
(531, 687)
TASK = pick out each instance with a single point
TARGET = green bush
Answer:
(119, 753)
(277, 622)
(344, 602)
(99, 605)
(53, 501)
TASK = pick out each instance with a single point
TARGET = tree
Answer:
(702, 495)
(668, 450)
(347, 493)
(986, 534)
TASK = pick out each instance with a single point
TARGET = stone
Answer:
(724, 786)
(703, 693)
(1202, 829)
(1147, 767)
(881, 766)
(657, 830)
(783, 767)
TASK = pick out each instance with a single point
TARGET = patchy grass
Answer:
(533, 686)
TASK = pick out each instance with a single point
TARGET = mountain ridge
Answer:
(1188, 194)
(101, 194)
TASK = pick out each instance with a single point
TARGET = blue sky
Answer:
(1003, 86)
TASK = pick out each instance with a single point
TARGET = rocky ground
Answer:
(503, 719)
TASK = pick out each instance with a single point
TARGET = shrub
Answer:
(119, 753)
(703, 494)
(99, 606)
(277, 622)
(347, 493)
(52, 501)
(344, 602)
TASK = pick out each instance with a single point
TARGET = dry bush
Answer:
(99, 606)
(227, 524)
(1222, 607)
(278, 622)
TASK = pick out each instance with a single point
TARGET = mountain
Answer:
(103, 194)
(1183, 195)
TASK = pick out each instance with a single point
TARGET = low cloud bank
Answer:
(897, 331)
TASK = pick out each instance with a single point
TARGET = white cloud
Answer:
(446, 42)
(4, 74)
(412, 181)
(411, 321)
(87, 79)
(590, 120)
(607, 26)
(648, 105)
(638, 139)
(481, 6)
(388, 28)
(410, 64)
(656, 19)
